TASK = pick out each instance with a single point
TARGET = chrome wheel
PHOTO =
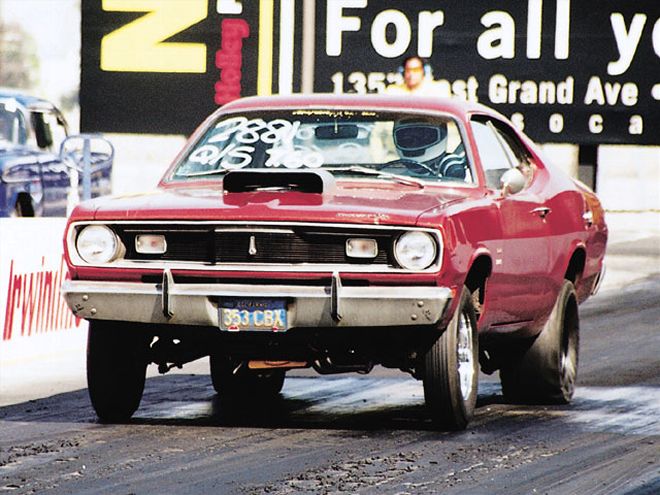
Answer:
(449, 369)
(568, 358)
(465, 354)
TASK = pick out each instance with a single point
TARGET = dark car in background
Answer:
(39, 161)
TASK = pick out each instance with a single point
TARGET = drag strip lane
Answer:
(361, 434)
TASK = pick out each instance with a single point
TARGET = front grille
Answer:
(255, 244)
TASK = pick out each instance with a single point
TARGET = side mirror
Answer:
(93, 148)
(84, 154)
(512, 181)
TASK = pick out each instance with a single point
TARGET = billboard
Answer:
(584, 72)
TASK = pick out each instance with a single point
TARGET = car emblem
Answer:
(252, 249)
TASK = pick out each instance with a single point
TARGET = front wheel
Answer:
(116, 368)
(450, 369)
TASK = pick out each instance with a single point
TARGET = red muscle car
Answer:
(339, 233)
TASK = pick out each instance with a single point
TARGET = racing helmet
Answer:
(419, 140)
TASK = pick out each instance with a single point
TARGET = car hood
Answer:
(349, 203)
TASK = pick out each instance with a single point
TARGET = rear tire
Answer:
(450, 369)
(117, 358)
(546, 372)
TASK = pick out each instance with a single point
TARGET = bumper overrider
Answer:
(317, 306)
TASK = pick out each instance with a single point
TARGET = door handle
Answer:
(541, 211)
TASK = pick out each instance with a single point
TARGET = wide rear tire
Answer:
(450, 369)
(546, 372)
(117, 358)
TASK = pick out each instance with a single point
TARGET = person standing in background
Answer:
(417, 79)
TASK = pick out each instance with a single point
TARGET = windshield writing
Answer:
(413, 146)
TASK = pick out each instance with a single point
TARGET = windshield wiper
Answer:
(217, 171)
(402, 179)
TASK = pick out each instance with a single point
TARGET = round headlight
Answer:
(415, 250)
(97, 244)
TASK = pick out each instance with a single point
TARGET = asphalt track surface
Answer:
(368, 434)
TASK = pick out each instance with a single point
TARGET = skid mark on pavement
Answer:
(624, 410)
(631, 410)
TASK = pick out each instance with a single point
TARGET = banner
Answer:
(563, 70)
(32, 269)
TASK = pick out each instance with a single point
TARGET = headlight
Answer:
(415, 250)
(97, 244)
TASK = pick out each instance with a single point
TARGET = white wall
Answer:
(141, 160)
(629, 177)
(39, 336)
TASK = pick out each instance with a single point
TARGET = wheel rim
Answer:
(465, 355)
(568, 361)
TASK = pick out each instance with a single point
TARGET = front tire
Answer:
(450, 369)
(546, 372)
(116, 369)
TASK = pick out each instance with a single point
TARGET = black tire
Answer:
(450, 369)
(234, 380)
(546, 372)
(22, 208)
(116, 369)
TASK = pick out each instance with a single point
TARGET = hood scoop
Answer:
(306, 181)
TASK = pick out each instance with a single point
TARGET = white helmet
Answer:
(420, 141)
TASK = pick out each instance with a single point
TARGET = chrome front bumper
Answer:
(197, 304)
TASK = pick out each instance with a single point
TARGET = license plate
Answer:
(267, 315)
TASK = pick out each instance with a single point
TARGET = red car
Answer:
(338, 233)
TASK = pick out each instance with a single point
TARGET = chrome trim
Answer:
(197, 304)
(76, 260)
(252, 249)
(246, 229)
(168, 281)
(335, 297)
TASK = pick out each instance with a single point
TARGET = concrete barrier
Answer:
(39, 334)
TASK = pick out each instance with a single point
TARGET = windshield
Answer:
(12, 124)
(347, 143)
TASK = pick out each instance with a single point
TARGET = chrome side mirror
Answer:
(512, 181)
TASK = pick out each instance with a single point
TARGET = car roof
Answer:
(403, 103)
(26, 100)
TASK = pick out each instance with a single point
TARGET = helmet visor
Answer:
(416, 137)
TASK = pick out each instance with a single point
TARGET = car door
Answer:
(519, 285)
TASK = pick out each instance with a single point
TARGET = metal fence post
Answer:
(87, 169)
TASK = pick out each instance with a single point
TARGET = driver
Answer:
(422, 142)
(423, 146)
